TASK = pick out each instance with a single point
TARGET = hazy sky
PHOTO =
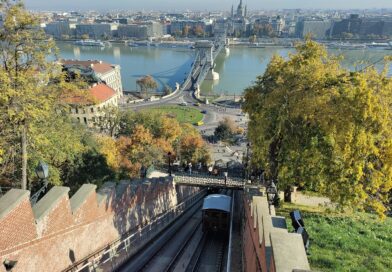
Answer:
(201, 4)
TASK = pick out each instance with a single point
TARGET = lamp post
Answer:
(271, 193)
(247, 162)
(9, 264)
(42, 171)
(169, 158)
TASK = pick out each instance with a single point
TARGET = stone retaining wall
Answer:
(59, 230)
(267, 246)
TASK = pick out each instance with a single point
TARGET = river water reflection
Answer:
(170, 65)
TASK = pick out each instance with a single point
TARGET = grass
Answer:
(345, 242)
(183, 114)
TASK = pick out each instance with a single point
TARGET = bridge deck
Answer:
(209, 181)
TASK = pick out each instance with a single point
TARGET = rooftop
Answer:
(97, 65)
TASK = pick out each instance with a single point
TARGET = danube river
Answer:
(170, 65)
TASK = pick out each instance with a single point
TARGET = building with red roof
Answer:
(108, 73)
(88, 110)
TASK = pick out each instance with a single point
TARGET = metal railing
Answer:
(118, 252)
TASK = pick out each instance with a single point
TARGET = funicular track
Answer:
(189, 249)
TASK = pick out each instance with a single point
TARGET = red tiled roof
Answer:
(97, 65)
(97, 95)
(102, 92)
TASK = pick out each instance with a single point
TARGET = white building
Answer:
(109, 73)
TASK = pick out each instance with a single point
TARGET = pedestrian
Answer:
(190, 168)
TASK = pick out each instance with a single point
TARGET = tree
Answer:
(85, 37)
(110, 120)
(252, 38)
(193, 149)
(146, 83)
(199, 31)
(185, 30)
(32, 124)
(167, 90)
(24, 72)
(226, 129)
(322, 127)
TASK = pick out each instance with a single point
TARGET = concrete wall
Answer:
(59, 230)
(267, 246)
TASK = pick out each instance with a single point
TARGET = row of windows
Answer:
(83, 110)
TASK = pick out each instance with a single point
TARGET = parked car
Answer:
(204, 112)
(183, 104)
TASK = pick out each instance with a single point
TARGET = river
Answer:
(170, 65)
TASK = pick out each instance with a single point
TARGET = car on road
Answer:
(197, 104)
(204, 112)
(200, 123)
(183, 104)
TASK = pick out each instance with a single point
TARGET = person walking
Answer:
(190, 168)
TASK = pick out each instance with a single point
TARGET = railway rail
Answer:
(187, 248)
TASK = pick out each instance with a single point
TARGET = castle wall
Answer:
(59, 230)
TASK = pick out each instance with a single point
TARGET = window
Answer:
(92, 110)
(77, 110)
(85, 120)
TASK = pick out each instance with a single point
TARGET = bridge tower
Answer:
(206, 57)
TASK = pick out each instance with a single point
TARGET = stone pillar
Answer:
(197, 92)
(212, 75)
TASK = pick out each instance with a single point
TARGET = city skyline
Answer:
(173, 5)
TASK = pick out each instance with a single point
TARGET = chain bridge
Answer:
(204, 64)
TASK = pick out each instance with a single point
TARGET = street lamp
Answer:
(9, 264)
(42, 170)
(169, 158)
(272, 192)
(247, 170)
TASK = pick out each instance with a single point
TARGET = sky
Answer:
(201, 5)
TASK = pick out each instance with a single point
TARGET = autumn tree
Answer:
(146, 84)
(32, 126)
(23, 73)
(322, 127)
(199, 31)
(226, 129)
(185, 30)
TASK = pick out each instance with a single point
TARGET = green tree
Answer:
(31, 92)
(320, 126)
(24, 72)
(109, 121)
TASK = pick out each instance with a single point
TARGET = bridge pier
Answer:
(212, 75)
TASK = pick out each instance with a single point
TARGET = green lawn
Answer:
(183, 114)
(355, 242)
